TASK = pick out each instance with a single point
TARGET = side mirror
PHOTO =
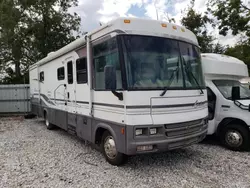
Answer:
(110, 77)
(235, 93)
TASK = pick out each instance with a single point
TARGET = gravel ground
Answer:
(32, 156)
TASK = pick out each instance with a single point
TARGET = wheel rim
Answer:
(109, 147)
(46, 121)
(234, 138)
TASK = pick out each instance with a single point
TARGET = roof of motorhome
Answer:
(131, 26)
(217, 64)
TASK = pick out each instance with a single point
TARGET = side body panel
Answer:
(225, 109)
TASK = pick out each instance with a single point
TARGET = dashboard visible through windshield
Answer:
(225, 87)
(157, 63)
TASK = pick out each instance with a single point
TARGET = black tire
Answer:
(242, 131)
(119, 159)
(48, 125)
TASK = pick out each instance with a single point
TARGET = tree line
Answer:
(229, 17)
(30, 29)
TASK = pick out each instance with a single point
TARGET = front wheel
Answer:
(235, 137)
(110, 152)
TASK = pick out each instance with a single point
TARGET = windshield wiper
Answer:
(171, 80)
(187, 71)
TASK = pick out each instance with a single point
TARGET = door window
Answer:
(211, 103)
(70, 72)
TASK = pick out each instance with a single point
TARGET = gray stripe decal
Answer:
(82, 102)
(14, 100)
(58, 100)
(109, 105)
(47, 99)
(148, 106)
(225, 106)
(26, 87)
(128, 107)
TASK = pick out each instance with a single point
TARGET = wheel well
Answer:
(228, 121)
(98, 135)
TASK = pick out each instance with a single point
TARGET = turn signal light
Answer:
(122, 130)
(127, 21)
(164, 25)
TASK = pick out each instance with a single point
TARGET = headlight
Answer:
(153, 131)
(138, 132)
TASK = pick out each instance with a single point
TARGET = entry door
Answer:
(70, 83)
(71, 95)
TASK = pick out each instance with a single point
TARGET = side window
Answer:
(70, 72)
(81, 71)
(41, 76)
(106, 53)
(60, 73)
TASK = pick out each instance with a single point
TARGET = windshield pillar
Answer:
(122, 64)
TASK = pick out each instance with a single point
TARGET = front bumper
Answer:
(170, 137)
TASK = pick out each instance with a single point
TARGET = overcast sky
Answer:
(93, 12)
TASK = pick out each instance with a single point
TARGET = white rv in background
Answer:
(228, 100)
(113, 88)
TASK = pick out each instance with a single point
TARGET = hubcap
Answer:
(109, 147)
(234, 138)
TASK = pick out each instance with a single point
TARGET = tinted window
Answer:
(41, 76)
(81, 71)
(211, 103)
(156, 63)
(70, 72)
(106, 53)
(60, 73)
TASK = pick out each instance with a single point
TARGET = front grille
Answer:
(183, 143)
(183, 129)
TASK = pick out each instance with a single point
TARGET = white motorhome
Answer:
(228, 100)
(113, 88)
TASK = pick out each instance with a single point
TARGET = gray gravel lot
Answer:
(32, 156)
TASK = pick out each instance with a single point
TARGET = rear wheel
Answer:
(110, 152)
(235, 137)
(47, 123)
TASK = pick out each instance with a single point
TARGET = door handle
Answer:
(68, 95)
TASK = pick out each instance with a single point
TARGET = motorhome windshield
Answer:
(225, 87)
(151, 62)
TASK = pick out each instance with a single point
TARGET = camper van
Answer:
(228, 100)
(113, 88)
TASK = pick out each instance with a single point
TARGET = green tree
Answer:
(53, 28)
(196, 22)
(12, 34)
(232, 15)
(30, 29)
(219, 49)
(240, 51)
